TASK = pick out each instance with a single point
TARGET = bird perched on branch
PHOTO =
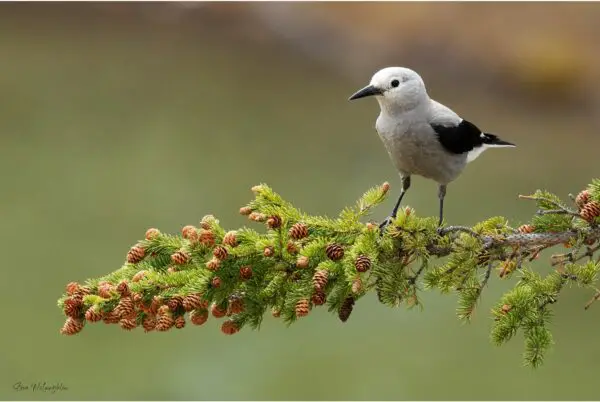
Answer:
(423, 137)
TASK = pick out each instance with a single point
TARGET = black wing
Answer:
(464, 137)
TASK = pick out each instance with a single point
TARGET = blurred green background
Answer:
(119, 117)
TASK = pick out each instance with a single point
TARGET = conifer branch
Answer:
(301, 262)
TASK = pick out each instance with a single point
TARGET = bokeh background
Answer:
(119, 117)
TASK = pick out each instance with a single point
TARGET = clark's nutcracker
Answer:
(423, 137)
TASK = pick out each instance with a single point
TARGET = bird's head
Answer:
(395, 88)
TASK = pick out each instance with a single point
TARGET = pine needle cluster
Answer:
(300, 262)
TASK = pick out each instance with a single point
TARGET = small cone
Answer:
(220, 252)
(180, 257)
(246, 272)
(298, 231)
(207, 237)
(105, 290)
(207, 222)
(506, 308)
(152, 233)
(245, 211)
(356, 286)
(174, 302)
(229, 327)
(590, 211)
(236, 306)
(276, 312)
(138, 276)
(526, 229)
(72, 307)
(319, 298)
(135, 254)
(582, 198)
(320, 279)
(334, 252)
(187, 230)
(111, 318)
(217, 311)
(199, 317)
(274, 222)
(123, 289)
(230, 239)
(346, 308)
(213, 264)
(191, 302)
(93, 314)
(292, 248)
(362, 263)
(128, 323)
(72, 288)
(216, 282)
(149, 323)
(165, 322)
(72, 326)
(179, 322)
(269, 251)
(125, 307)
(302, 308)
(257, 217)
(302, 262)
(385, 187)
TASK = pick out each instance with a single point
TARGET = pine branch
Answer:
(301, 262)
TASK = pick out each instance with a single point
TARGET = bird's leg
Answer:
(405, 187)
(441, 195)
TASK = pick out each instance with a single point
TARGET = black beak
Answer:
(366, 91)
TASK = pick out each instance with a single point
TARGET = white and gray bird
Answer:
(423, 137)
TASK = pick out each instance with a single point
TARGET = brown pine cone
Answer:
(506, 308)
(229, 327)
(73, 306)
(164, 322)
(207, 237)
(180, 257)
(128, 323)
(526, 229)
(93, 314)
(230, 239)
(275, 312)
(582, 198)
(302, 308)
(138, 276)
(137, 298)
(346, 308)
(111, 318)
(72, 288)
(334, 251)
(174, 302)
(245, 211)
(590, 211)
(302, 262)
(105, 290)
(135, 254)
(246, 272)
(257, 217)
(362, 263)
(320, 279)
(191, 302)
(123, 289)
(269, 251)
(356, 286)
(157, 303)
(72, 326)
(149, 323)
(179, 322)
(216, 282)
(292, 247)
(217, 311)
(207, 222)
(298, 231)
(236, 306)
(220, 252)
(152, 233)
(213, 264)
(125, 307)
(199, 317)
(187, 230)
(274, 222)
(319, 298)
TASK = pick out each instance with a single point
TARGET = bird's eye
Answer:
(395, 83)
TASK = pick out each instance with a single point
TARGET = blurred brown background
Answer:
(118, 117)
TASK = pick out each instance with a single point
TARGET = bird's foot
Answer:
(383, 225)
(440, 231)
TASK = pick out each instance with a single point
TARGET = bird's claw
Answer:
(383, 225)
(440, 231)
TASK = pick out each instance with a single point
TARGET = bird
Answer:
(422, 136)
